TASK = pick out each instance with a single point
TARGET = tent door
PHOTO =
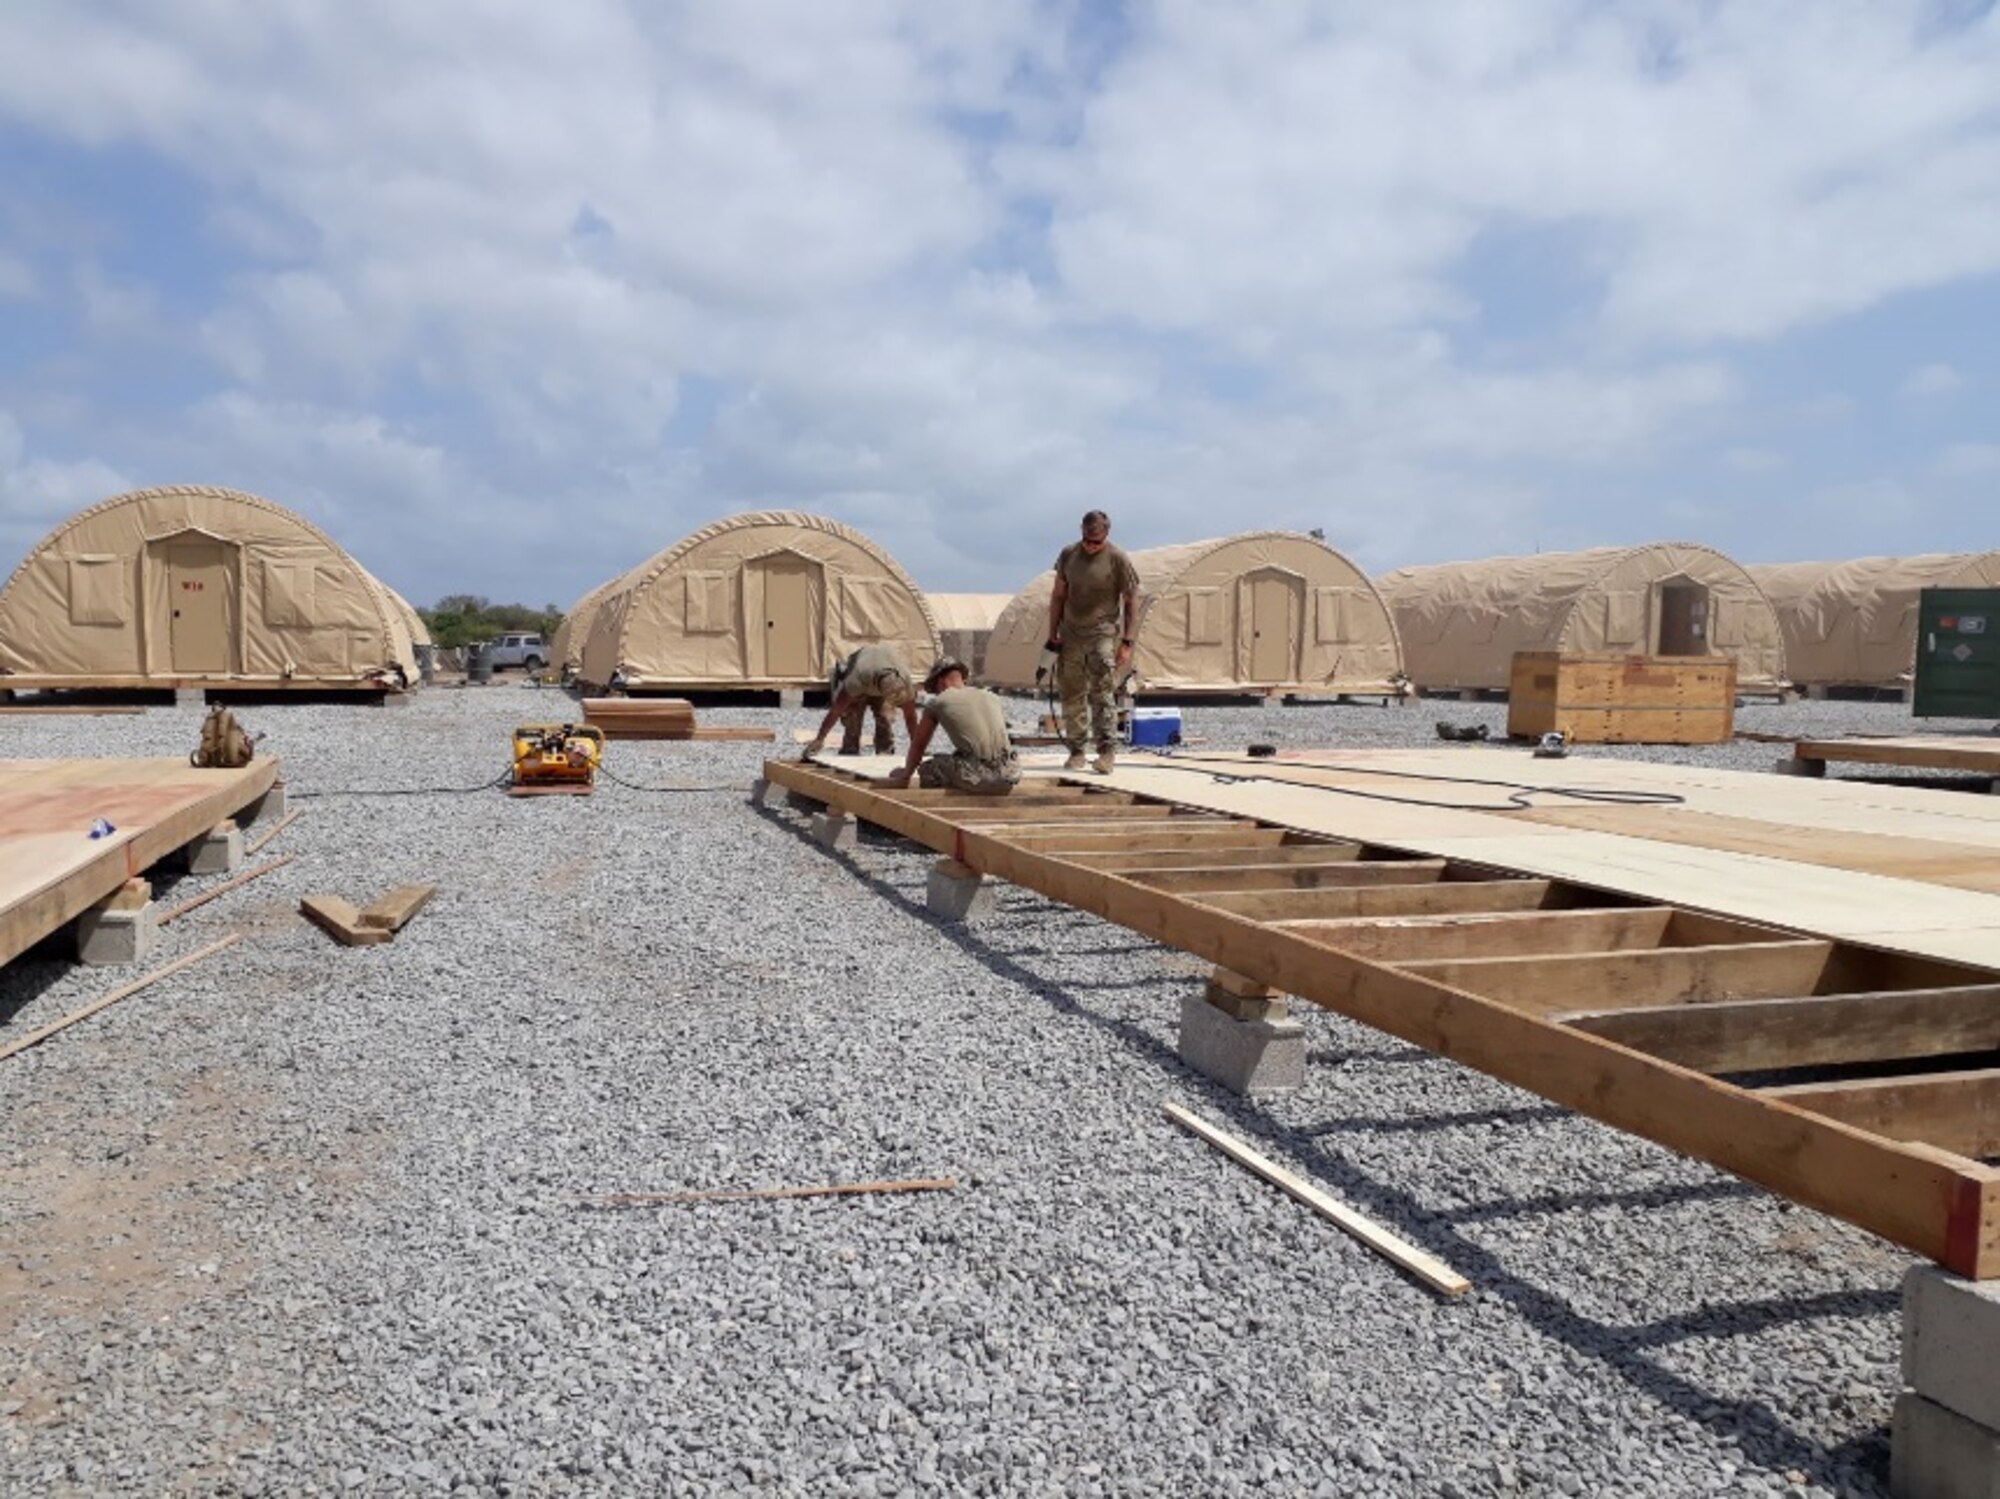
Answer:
(1683, 619)
(1274, 613)
(787, 622)
(198, 595)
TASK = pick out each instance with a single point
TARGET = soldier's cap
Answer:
(944, 664)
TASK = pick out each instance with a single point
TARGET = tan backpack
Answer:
(223, 745)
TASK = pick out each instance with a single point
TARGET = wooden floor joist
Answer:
(1617, 1008)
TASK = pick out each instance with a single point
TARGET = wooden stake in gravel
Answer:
(242, 879)
(36, 1037)
(1432, 1271)
(285, 822)
(763, 1194)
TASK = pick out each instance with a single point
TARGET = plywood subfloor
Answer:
(51, 869)
(1899, 868)
(1967, 752)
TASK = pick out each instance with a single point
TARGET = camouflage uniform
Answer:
(857, 677)
(982, 760)
(1087, 669)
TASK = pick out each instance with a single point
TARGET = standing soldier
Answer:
(982, 758)
(871, 679)
(1093, 616)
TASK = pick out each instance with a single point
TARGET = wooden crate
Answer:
(1623, 699)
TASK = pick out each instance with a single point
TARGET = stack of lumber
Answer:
(657, 718)
(1608, 699)
(339, 918)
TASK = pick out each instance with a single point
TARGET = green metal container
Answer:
(1958, 653)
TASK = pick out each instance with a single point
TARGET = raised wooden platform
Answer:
(1620, 993)
(52, 870)
(141, 683)
(1976, 754)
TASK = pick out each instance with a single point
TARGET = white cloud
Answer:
(1968, 460)
(36, 492)
(956, 273)
(1932, 380)
(1756, 461)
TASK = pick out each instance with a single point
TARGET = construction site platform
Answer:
(1974, 754)
(52, 870)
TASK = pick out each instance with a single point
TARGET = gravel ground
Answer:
(304, 1219)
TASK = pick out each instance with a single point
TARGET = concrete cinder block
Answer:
(190, 697)
(1935, 1453)
(1791, 765)
(798, 801)
(957, 892)
(1249, 1057)
(109, 937)
(792, 697)
(270, 807)
(834, 830)
(1951, 1342)
(218, 851)
(767, 794)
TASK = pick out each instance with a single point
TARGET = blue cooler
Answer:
(1156, 726)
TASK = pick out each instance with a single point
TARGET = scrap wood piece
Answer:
(242, 879)
(339, 919)
(392, 912)
(36, 1037)
(286, 821)
(1427, 1268)
(765, 1194)
(660, 718)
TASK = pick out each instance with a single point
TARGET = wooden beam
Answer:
(1353, 872)
(337, 917)
(1944, 1207)
(392, 912)
(1819, 1031)
(42, 1033)
(1550, 985)
(1955, 1111)
(1150, 837)
(1005, 809)
(205, 897)
(1131, 862)
(1315, 906)
(1504, 934)
(1427, 1268)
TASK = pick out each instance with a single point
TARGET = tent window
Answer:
(96, 591)
(1204, 616)
(866, 609)
(707, 603)
(1624, 618)
(288, 594)
(1336, 615)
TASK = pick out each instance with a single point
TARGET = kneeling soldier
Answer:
(982, 760)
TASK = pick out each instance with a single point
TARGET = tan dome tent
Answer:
(757, 601)
(1462, 622)
(1261, 611)
(420, 633)
(566, 645)
(1854, 624)
(965, 624)
(197, 587)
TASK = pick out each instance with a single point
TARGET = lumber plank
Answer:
(1005, 809)
(1919, 752)
(337, 917)
(126, 991)
(1955, 1111)
(1377, 900)
(1130, 861)
(1426, 1267)
(1941, 1206)
(1505, 934)
(1149, 837)
(206, 896)
(392, 912)
(1353, 872)
(256, 845)
(1818, 1030)
(1549, 984)
(770, 1194)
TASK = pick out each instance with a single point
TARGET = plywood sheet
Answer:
(51, 869)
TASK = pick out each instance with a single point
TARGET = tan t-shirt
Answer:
(1097, 589)
(974, 719)
(863, 677)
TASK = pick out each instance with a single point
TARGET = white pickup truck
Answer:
(525, 651)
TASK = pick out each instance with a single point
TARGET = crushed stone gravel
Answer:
(305, 1219)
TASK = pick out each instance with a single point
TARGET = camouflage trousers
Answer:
(1087, 677)
(850, 727)
(969, 773)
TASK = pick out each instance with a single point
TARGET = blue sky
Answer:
(508, 298)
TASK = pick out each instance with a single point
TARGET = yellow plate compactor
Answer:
(556, 759)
